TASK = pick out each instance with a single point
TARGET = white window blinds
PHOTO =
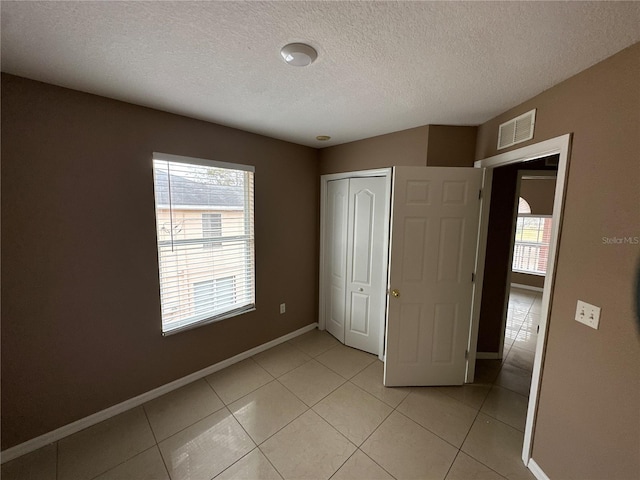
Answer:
(206, 258)
(531, 246)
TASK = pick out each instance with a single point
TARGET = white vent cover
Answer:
(517, 130)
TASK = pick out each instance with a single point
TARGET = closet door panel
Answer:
(336, 256)
(366, 269)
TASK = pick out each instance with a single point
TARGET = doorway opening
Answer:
(555, 154)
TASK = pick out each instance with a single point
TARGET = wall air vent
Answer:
(517, 130)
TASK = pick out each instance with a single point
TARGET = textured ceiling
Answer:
(382, 66)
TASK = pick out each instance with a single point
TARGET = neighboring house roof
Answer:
(187, 192)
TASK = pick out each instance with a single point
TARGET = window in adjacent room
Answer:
(202, 204)
(531, 248)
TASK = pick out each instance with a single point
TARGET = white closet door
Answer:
(337, 210)
(366, 269)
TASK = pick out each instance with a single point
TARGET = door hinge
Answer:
(479, 194)
(466, 354)
(473, 277)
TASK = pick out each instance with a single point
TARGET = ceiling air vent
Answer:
(519, 129)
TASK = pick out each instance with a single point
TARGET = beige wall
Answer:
(539, 194)
(527, 279)
(451, 146)
(407, 148)
(588, 417)
(80, 301)
(429, 145)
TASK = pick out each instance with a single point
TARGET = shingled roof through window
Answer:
(189, 192)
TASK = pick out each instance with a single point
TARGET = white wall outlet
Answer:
(283, 307)
(588, 314)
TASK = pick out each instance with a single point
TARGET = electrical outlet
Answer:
(283, 308)
(588, 314)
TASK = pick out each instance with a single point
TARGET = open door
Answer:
(434, 232)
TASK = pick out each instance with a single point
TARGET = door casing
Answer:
(560, 146)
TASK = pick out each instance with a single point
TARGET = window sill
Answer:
(536, 274)
(217, 318)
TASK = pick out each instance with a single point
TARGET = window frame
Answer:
(249, 193)
(538, 244)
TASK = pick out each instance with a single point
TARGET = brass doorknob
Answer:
(395, 293)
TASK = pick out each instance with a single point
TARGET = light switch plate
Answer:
(588, 314)
(283, 308)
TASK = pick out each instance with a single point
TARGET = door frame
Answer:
(324, 180)
(555, 146)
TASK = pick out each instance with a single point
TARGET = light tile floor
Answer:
(312, 408)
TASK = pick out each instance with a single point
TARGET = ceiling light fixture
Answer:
(323, 138)
(298, 54)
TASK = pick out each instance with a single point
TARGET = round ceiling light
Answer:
(323, 138)
(298, 54)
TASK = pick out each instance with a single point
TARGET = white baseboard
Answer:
(536, 470)
(59, 433)
(488, 356)
(527, 287)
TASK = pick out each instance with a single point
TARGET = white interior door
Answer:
(434, 234)
(337, 211)
(366, 269)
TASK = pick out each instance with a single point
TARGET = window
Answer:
(201, 204)
(220, 291)
(531, 248)
(211, 228)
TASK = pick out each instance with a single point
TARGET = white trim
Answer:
(555, 146)
(197, 208)
(481, 248)
(537, 471)
(532, 214)
(324, 180)
(168, 157)
(538, 175)
(526, 287)
(377, 172)
(488, 356)
(524, 272)
(71, 428)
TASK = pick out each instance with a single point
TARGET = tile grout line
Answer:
(279, 429)
(133, 456)
(454, 459)
(157, 445)
(270, 462)
(321, 399)
(365, 453)
(248, 393)
(326, 421)
(478, 413)
(393, 409)
(185, 427)
(469, 431)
